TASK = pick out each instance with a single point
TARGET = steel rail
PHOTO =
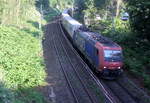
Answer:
(79, 77)
(122, 94)
(109, 97)
(62, 68)
(135, 99)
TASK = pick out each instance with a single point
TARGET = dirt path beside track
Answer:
(56, 91)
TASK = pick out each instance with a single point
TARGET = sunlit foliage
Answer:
(21, 63)
(14, 11)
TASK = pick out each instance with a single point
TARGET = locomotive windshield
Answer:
(112, 55)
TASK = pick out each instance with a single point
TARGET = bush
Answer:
(21, 64)
(147, 81)
(6, 95)
(20, 58)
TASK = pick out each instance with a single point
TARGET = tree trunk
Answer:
(18, 11)
(118, 7)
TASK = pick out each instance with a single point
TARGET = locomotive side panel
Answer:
(87, 47)
(89, 50)
(92, 53)
(79, 40)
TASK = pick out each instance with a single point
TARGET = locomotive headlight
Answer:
(104, 67)
(118, 67)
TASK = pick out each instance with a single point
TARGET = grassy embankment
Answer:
(21, 66)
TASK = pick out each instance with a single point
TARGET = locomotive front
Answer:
(111, 60)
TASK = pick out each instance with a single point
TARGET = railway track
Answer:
(79, 89)
(78, 75)
(80, 93)
(65, 74)
(118, 90)
(123, 95)
(135, 92)
(84, 69)
(81, 81)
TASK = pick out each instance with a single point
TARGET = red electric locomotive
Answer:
(111, 58)
(105, 55)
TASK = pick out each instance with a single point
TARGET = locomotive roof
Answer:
(98, 37)
(103, 40)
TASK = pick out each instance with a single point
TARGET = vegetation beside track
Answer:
(22, 68)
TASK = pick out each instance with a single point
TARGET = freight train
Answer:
(102, 53)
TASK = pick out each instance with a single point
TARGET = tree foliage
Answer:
(21, 64)
(140, 16)
(105, 9)
(13, 11)
(61, 4)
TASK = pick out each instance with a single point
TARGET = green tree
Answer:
(13, 11)
(140, 16)
(61, 5)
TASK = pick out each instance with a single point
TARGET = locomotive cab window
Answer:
(113, 55)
